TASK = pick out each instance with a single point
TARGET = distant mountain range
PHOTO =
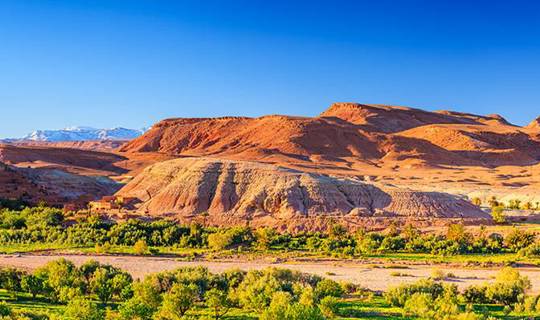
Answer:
(81, 134)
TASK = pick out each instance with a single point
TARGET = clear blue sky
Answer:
(132, 63)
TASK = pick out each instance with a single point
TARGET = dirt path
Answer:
(364, 274)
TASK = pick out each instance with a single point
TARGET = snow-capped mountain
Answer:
(83, 134)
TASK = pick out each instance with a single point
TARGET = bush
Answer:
(225, 239)
(531, 251)
(328, 288)
(419, 305)
(509, 286)
(475, 294)
(329, 306)
(140, 247)
(437, 275)
(82, 309)
(397, 296)
(5, 310)
(518, 239)
(257, 290)
(497, 213)
(283, 308)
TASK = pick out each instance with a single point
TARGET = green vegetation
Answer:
(95, 291)
(512, 204)
(43, 228)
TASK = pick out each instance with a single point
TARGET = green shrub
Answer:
(509, 288)
(476, 294)
(329, 306)
(328, 288)
(497, 214)
(5, 310)
(518, 239)
(397, 296)
(225, 239)
(82, 309)
(140, 247)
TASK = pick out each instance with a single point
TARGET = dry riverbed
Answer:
(371, 276)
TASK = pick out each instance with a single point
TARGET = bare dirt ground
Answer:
(368, 275)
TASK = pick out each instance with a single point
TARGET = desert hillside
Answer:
(353, 160)
(408, 154)
(55, 187)
(233, 191)
(349, 134)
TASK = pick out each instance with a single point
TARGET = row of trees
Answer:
(60, 281)
(47, 225)
(95, 291)
(428, 299)
(512, 204)
(89, 290)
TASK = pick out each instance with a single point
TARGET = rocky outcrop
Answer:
(534, 125)
(54, 187)
(247, 191)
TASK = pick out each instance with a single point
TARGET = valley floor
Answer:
(377, 275)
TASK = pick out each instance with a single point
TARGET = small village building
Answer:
(111, 203)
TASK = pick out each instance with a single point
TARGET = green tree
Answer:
(257, 289)
(218, 301)
(518, 239)
(527, 206)
(10, 280)
(282, 307)
(82, 309)
(456, 232)
(101, 285)
(264, 237)
(108, 282)
(5, 310)
(497, 213)
(136, 309)
(277, 309)
(493, 202)
(178, 301)
(326, 288)
(32, 284)
(220, 240)
(148, 292)
(62, 280)
(508, 287)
